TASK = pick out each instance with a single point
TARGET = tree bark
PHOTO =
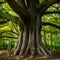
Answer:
(30, 41)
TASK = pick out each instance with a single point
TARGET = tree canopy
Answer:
(27, 20)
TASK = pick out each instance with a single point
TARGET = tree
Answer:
(31, 12)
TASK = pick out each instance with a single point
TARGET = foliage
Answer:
(13, 27)
(8, 30)
(53, 43)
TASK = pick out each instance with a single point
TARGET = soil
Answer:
(4, 55)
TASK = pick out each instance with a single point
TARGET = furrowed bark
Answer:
(25, 41)
(40, 47)
(19, 43)
(30, 42)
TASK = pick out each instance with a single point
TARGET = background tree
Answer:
(7, 26)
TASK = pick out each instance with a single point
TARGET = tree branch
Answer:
(8, 37)
(50, 24)
(51, 32)
(10, 32)
(19, 10)
(3, 22)
(45, 5)
(9, 17)
(22, 3)
(52, 12)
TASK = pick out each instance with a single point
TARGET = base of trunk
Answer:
(28, 51)
(30, 42)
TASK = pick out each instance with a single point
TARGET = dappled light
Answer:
(29, 29)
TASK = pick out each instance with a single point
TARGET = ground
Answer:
(4, 55)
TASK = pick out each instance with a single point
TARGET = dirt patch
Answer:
(4, 55)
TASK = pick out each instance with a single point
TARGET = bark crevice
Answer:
(30, 41)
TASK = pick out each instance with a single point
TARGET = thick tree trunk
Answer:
(30, 42)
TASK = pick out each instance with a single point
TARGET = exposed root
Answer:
(26, 43)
